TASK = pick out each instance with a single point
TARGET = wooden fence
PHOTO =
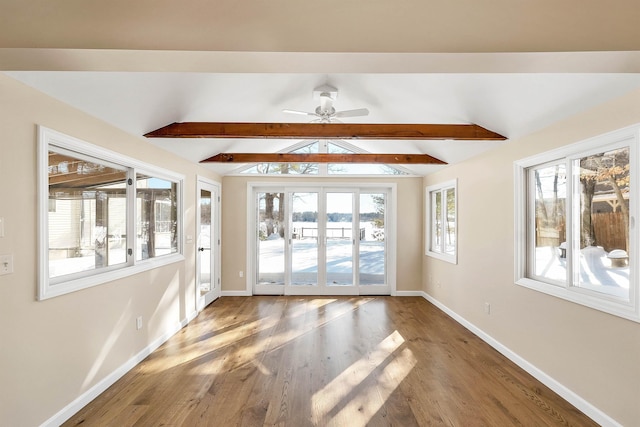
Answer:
(609, 228)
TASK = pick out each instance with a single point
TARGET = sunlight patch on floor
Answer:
(364, 405)
(335, 400)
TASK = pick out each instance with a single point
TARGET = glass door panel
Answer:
(271, 243)
(372, 247)
(304, 239)
(207, 257)
(340, 237)
(204, 248)
(317, 241)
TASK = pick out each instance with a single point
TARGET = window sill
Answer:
(452, 259)
(605, 303)
(46, 291)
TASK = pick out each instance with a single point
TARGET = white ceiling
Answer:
(513, 67)
(513, 104)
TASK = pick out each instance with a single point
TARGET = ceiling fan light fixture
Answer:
(325, 112)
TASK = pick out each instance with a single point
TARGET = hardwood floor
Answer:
(326, 361)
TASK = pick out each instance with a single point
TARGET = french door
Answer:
(208, 243)
(322, 240)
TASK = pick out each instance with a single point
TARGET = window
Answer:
(441, 239)
(98, 209)
(323, 169)
(575, 234)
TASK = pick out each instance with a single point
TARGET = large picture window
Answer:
(574, 217)
(441, 238)
(102, 215)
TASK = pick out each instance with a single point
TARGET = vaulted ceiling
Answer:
(512, 67)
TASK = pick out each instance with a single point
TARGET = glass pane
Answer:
(603, 227)
(304, 246)
(340, 235)
(156, 217)
(372, 239)
(450, 228)
(288, 168)
(271, 221)
(337, 149)
(311, 148)
(204, 248)
(436, 221)
(357, 168)
(86, 215)
(362, 169)
(549, 258)
(283, 169)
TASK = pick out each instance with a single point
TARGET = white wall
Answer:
(55, 350)
(594, 354)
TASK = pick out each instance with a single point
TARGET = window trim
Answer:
(441, 187)
(51, 139)
(629, 136)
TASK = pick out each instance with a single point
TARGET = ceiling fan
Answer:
(326, 126)
(325, 112)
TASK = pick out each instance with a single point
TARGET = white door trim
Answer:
(271, 186)
(215, 188)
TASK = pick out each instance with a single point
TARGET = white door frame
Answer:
(322, 188)
(216, 196)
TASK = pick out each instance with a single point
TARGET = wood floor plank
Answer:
(326, 361)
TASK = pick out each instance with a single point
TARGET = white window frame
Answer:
(627, 137)
(390, 189)
(430, 216)
(49, 139)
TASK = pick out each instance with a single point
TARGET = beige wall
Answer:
(234, 228)
(54, 350)
(594, 354)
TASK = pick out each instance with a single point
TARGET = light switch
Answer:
(6, 264)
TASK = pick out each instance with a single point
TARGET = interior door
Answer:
(207, 255)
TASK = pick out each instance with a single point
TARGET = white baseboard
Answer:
(409, 294)
(587, 408)
(68, 411)
(235, 293)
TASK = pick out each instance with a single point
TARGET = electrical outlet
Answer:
(241, 273)
(1, 227)
(6, 264)
(487, 308)
(139, 322)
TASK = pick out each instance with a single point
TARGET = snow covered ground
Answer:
(339, 259)
(595, 270)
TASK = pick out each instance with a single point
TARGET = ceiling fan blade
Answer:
(301, 113)
(353, 113)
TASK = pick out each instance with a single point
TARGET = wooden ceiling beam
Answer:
(323, 158)
(395, 131)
